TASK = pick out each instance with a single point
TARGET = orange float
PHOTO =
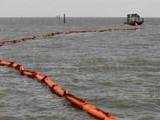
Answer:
(60, 91)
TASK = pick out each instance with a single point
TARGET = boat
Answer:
(134, 19)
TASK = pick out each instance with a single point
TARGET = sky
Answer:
(78, 8)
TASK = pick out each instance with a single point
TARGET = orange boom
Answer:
(57, 89)
(51, 34)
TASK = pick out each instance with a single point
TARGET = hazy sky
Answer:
(81, 8)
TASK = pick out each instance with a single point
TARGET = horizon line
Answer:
(74, 17)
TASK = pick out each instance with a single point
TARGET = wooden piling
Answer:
(64, 18)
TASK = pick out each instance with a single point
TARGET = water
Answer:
(118, 71)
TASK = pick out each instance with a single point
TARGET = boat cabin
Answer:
(134, 19)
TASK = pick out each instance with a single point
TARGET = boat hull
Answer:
(135, 23)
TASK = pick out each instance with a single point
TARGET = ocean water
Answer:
(118, 71)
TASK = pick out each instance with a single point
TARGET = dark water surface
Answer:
(118, 71)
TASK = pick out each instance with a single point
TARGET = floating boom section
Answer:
(60, 91)
(52, 34)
